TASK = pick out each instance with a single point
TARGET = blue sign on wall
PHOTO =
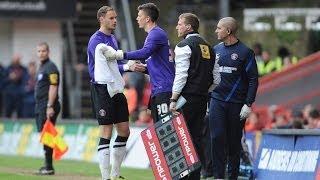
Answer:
(291, 157)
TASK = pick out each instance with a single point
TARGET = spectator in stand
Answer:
(295, 121)
(284, 55)
(252, 123)
(297, 124)
(263, 67)
(28, 98)
(306, 111)
(265, 56)
(314, 119)
(13, 87)
(280, 122)
(257, 49)
(283, 52)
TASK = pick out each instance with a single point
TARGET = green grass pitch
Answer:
(24, 168)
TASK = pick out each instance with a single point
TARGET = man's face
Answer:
(42, 53)
(109, 20)
(142, 19)
(16, 59)
(221, 31)
(182, 28)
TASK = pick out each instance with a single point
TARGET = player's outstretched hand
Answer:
(136, 66)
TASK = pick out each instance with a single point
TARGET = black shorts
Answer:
(159, 105)
(108, 110)
(41, 115)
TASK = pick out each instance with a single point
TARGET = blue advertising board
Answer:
(291, 157)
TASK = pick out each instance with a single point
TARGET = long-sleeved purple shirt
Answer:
(97, 38)
(156, 53)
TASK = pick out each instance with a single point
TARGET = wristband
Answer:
(173, 100)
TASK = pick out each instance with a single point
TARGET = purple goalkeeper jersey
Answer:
(97, 38)
(156, 53)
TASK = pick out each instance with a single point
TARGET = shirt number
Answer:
(162, 108)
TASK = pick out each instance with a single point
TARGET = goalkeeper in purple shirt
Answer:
(156, 54)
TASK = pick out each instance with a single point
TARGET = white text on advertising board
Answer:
(288, 161)
(186, 144)
(156, 158)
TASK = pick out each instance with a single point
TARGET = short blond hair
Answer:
(102, 11)
(192, 19)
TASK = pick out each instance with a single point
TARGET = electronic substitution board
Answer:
(170, 149)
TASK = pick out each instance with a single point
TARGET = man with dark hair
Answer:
(109, 103)
(47, 99)
(151, 10)
(232, 98)
(314, 119)
(156, 54)
(194, 61)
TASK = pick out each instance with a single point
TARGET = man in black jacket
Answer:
(194, 62)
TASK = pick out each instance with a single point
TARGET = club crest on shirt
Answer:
(102, 112)
(40, 76)
(234, 56)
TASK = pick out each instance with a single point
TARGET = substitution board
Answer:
(170, 149)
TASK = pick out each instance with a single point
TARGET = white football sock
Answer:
(118, 154)
(104, 160)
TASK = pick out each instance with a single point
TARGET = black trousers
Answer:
(226, 133)
(194, 112)
(206, 169)
(41, 117)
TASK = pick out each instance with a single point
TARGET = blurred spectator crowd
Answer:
(17, 84)
(267, 63)
(277, 117)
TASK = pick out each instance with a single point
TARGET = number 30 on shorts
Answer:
(162, 108)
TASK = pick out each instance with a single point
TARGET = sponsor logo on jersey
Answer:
(217, 57)
(227, 69)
